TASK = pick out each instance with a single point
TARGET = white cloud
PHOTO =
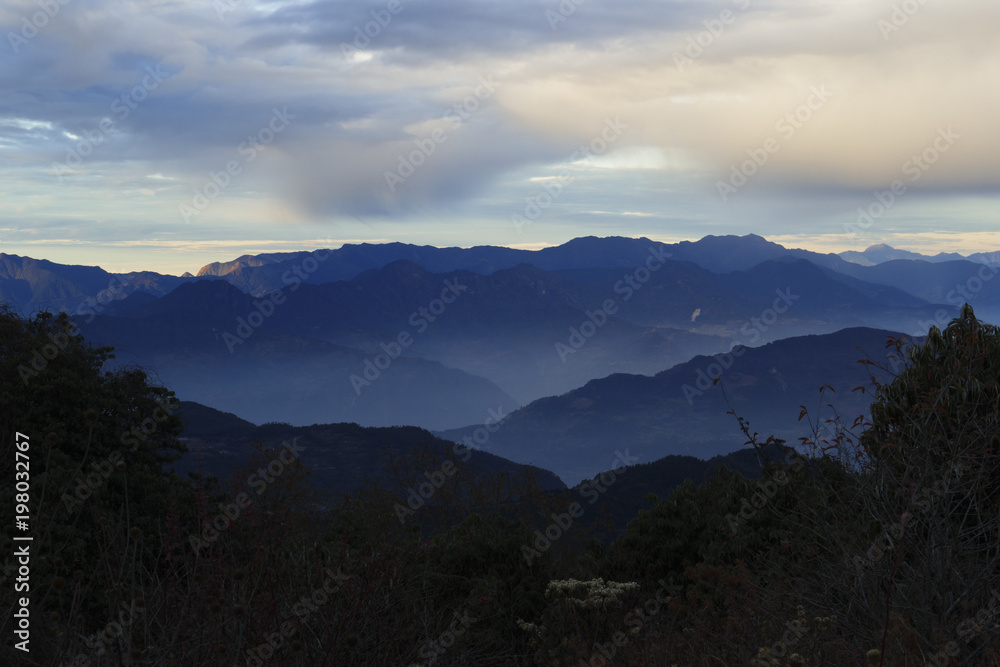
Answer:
(354, 118)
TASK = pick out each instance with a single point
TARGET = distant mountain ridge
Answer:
(680, 412)
(222, 268)
(718, 254)
(31, 285)
(500, 341)
(280, 337)
(36, 284)
(281, 375)
(880, 252)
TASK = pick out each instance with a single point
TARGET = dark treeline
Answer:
(879, 548)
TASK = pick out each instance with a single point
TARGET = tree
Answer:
(944, 404)
(98, 440)
(931, 490)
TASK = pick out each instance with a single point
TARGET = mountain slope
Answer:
(679, 412)
(503, 326)
(343, 457)
(879, 253)
(191, 340)
(951, 282)
(719, 254)
(222, 268)
(530, 332)
(38, 284)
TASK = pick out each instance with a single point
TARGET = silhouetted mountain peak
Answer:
(223, 268)
(198, 297)
(394, 272)
(881, 253)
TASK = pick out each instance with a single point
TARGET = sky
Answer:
(163, 135)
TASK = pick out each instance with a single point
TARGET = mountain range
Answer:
(680, 411)
(40, 284)
(578, 350)
(880, 252)
(402, 345)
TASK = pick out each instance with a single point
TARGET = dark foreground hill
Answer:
(613, 498)
(343, 457)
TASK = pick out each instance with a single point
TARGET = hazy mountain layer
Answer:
(680, 412)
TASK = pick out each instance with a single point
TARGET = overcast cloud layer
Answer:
(168, 134)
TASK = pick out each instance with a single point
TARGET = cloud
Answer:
(699, 84)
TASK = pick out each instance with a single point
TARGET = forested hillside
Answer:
(875, 543)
